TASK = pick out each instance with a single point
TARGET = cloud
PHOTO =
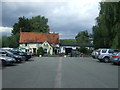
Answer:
(64, 16)
(5, 31)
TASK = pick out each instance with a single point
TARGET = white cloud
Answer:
(66, 15)
(5, 31)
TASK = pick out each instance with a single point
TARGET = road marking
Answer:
(59, 75)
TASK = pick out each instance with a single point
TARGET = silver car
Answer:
(105, 54)
(95, 53)
(7, 60)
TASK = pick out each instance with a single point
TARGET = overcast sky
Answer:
(67, 17)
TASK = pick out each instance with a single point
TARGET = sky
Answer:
(66, 17)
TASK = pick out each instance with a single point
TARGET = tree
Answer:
(68, 40)
(83, 37)
(35, 24)
(10, 41)
(106, 32)
(23, 24)
(39, 24)
(82, 49)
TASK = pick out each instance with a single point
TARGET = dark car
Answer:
(116, 58)
(25, 54)
(18, 58)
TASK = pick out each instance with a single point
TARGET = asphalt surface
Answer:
(60, 72)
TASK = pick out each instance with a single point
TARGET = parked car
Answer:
(95, 53)
(6, 60)
(25, 54)
(115, 59)
(105, 54)
(18, 58)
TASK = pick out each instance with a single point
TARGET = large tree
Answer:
(35, 24)
(106, 32)
(39, 24)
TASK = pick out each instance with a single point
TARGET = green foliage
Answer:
(39, 24)
(68, 40)
(83, 37)
(35, 24)
(40, 51)
(11, 41)
(106, 32)
(82, 49)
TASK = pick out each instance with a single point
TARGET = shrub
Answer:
(40, 51)
(83, 50)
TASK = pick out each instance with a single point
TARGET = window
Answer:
(118, 54)
(25, 44)
(104, 50)
(45, 50)
(110, 51)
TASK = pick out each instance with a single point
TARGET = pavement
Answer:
(60, 72)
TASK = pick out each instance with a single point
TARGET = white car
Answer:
(95, 53)
(104, 55)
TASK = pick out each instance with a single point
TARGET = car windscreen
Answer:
(9, 52)
(15, 52)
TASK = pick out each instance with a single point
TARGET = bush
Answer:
(40, 51)
(83, 50)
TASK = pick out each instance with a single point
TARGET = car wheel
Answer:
(106, 59)
(100, 60)
(93, 57)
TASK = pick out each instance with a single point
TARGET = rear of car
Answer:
(95, 54)
(116, 58)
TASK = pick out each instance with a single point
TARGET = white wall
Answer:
(44, 45)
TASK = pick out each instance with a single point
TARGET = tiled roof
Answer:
(33, 37)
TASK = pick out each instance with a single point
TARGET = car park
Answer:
(18, 58)
(6, 60)
(115, 59)
(25, 54)
(105, 54)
